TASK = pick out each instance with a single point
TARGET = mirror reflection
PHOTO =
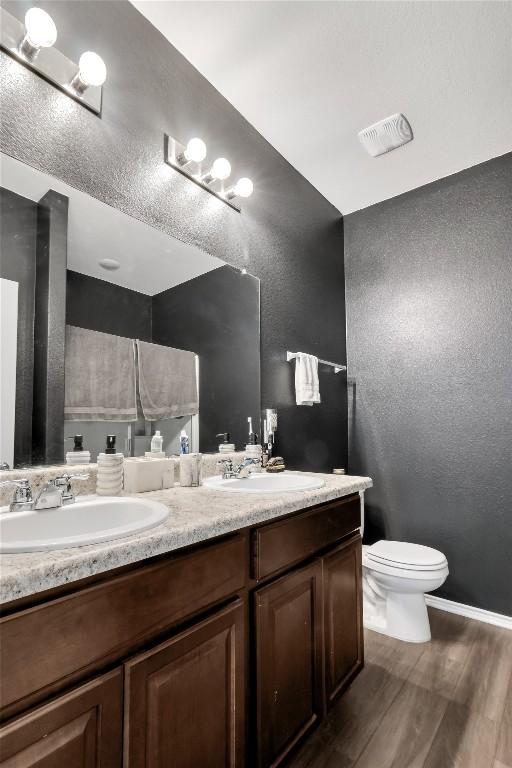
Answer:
(111, 327)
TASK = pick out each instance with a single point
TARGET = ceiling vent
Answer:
(386, 135)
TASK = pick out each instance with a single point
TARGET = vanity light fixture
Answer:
(221, 169)
(91, 71)
(189, 160)
(243, 188)
(195, 152)
(40, 32)
(32, 44)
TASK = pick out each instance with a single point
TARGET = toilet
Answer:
(396, 577)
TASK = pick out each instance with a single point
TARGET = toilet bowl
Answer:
(396, 576)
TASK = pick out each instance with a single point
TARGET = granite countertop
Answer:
(196, 514)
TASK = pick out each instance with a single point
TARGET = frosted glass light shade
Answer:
(221, 169)
(244, 187)
(91, 69)
(40, 28)
(196, 150)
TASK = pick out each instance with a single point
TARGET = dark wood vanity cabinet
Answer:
(176, 661)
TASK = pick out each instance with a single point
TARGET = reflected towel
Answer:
(167, 381)
(99, 377)
(307, 388)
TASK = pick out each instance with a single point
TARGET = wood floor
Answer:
(445, 704)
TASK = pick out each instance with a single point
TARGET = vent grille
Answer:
(386, 135)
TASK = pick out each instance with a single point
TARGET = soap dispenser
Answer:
(253, 448)
(78, 455)
(109, 481)
(226, 446)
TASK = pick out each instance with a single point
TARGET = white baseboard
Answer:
(498, 619)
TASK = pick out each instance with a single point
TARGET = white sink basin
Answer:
(87, 521)
(263, 482)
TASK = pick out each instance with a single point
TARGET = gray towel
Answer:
(99, 377)
(167, 382)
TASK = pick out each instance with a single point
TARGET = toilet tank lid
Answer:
(405, 553)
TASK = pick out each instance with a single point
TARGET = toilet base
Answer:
(400, 615)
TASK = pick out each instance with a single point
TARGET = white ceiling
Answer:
(310, 75)
(151, 261)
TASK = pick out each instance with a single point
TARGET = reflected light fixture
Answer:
(109, 264)
(188, 160)
(32, 44)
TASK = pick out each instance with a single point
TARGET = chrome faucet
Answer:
(22, 499)
(57, 492)
(232, 471)
(54, 493)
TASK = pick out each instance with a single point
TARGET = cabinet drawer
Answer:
(279, 545)
(50, 645)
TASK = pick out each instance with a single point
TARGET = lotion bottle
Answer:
(157, 442)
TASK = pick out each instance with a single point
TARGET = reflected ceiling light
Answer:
(243, 188)
(91, 72)
(40, 32)
(109, 264)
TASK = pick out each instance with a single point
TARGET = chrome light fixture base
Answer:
(174, 155)
(48, 63)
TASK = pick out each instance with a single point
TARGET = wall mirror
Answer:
(109, 326)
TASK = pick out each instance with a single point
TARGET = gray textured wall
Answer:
(429, 328)
(288, 235)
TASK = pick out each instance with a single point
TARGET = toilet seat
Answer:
(402, 555)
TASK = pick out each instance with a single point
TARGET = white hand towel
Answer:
(307, 389)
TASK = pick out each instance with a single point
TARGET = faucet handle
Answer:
(23, 489)
(63, 483)
(22, 494)
(20, 483)
(61, 479)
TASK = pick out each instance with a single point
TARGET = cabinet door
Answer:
(343, 616)
(184, 699)
(288, 661)
(81, 729)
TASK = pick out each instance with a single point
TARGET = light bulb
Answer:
(195, 151)
(244, 187)
(40, 28)
(221, 169)
(91, 69)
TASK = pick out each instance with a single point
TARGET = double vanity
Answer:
(219, 637)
